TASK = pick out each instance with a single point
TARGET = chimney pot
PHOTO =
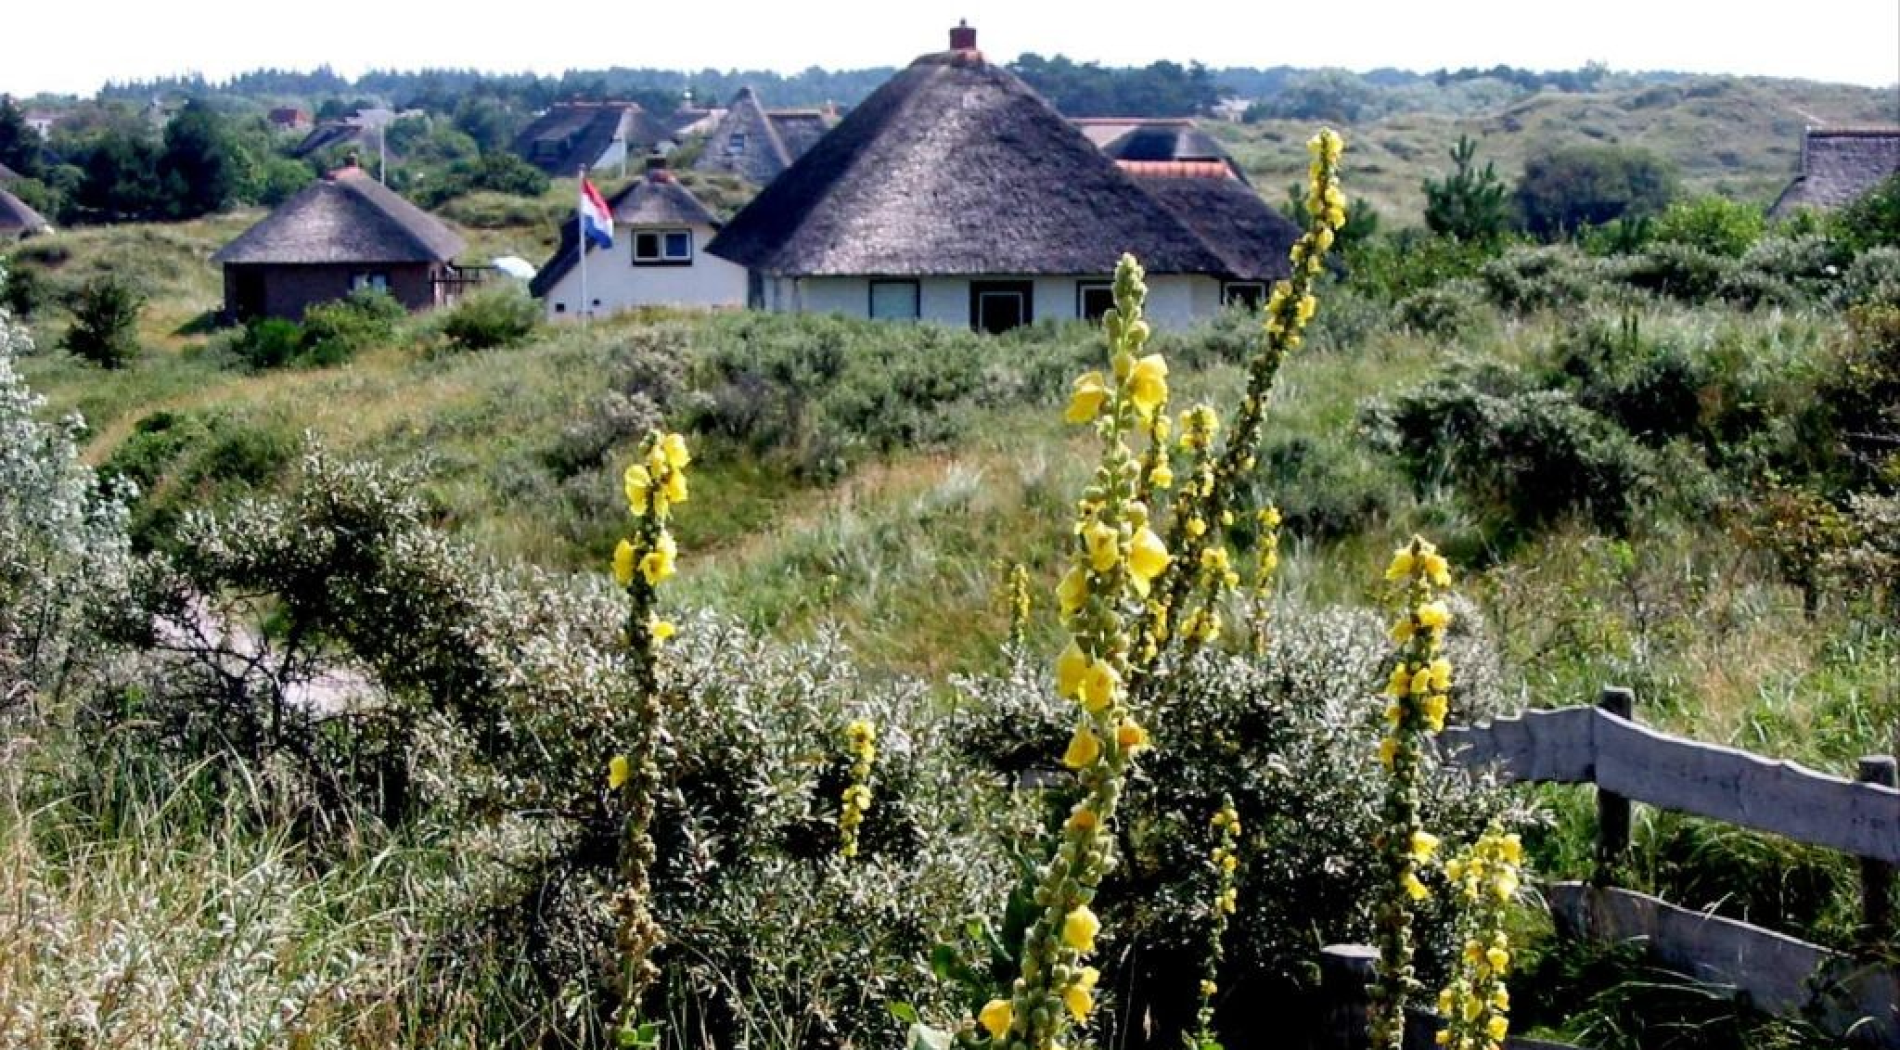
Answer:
(962, 37)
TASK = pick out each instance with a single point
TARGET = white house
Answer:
(956, 194)
(658, 257)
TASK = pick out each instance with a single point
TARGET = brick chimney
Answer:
(657, 168)
(962, 37)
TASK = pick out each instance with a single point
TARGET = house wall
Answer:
(617, 284)
(1175, 301)
(290, 290)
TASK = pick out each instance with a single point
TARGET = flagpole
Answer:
(580, 227)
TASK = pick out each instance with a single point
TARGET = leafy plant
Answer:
(105, 322)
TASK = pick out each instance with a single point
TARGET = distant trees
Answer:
(1470, 203)
(20, 145)
(1163, 89)
(1566, 189)
(200, 168)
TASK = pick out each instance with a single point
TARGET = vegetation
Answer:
(105, 323)
(835, 786)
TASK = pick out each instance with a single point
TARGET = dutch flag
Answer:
(597, 223)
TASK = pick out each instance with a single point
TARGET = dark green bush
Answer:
(1651, 389)
(1528, 279)
(24, 291)
(1679, 270)
(492, 319)
(337, 331)
(1871, 220)
(269, 342)
(1566, 189)
(105, 322)
(1446, 312)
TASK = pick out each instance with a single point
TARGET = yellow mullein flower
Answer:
(1072, 591)
(1401, 566)
(1104, 545)
(618, 770)
(1084, 748)
(1148, 384)
(657, 565)
(623, 563)
(1101, 685)
(1083, 819)
(1161, 477)
(675, 487)
(1085, 400)
(1423, 845)
(1079, 1000)
(1388, 750)
(637, 482)
(1400, 683)
(1434, 616)
(1079, 928)
(1498, 959)
(1131, 736)
(995, 1017)
(677, 455)
(1434, 709)
(663, 630)
(1147, 557)
(1441, 674)
(1070, 667)
(1413, 887)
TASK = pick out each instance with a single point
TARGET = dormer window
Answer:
(735, 143)
(663, 247)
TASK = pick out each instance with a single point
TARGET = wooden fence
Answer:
(1853, 995)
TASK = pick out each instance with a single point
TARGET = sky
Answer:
(1849, 41)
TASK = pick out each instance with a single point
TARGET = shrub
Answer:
(1712, 224)
(1566, 189)
(1467, 204)
(269, 342)
(1680, 270)
(336, 331)
(23, 292)
(1871, 220)
(1527, 279)
(105, 322)
(492, 319)
(1873, 279)
(1446, 312)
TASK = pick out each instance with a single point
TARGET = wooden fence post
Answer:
(1876, 877)
(1346, 973)
(1613, 810)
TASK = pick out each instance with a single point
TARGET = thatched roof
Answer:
(1250, 237)
(325, 135)
(1104, 130)
(956, 167)
(657, 200)
(16, 219)
(573, 135)
(758, 144)
(1840, 164)
(345, 217)
(7, 174)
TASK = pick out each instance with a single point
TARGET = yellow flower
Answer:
(1402, 631)
(1085, 400)
(1147, 557)
(657, 565)
(663, 630)
(1498, 958)
(1161, 477)
(1148, 384)
(1504, 887)
(1083, 819)
(618, 770)
(1079, 1000)
(1208, 988)
(674, 448)
(1388, 750)
(1196, 527)
(995, 1017)
(1434, 709)
(1401, 566)
(1084, 747)
(1500, 998)
(1414, 888)
(1100, 686)
(1497, 1028)
(1441, 674)
(1400, 683)
(1104, 545)
(1433, 616)
(1073, 590)
(1131, 736)
(1437, 569)
(637, 482)
(1424, 844)
(623, 563)
(1421, 681)
(676, 486)
(1079, 928)
(1513, 849)
(1070, 667)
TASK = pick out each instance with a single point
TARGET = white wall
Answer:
(617, 284)
(1175, 301)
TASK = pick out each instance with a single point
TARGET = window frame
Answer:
(1228, 298)
(1083, 288)
(1025, 290)
(916, 298)
(377, 280)
(662, 257)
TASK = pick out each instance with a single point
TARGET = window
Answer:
(895, 301)
(998, 306)
(1093, 299)
(1249, 294)
(735, 143)
(663, 247)
(375, 279)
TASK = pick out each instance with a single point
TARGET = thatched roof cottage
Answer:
(17, 221)
(343, 232)
(1838, 165)
(597, 136)
(758, 144)
(957, 194)
(658, 257)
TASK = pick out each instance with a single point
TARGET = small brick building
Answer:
(343, 232)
